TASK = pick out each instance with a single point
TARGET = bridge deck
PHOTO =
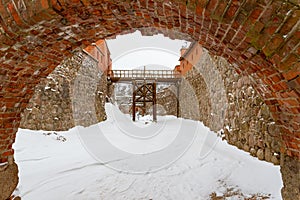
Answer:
(156, 75)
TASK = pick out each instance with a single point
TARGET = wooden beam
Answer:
(133, 101)
(177, 99)
(154, 103)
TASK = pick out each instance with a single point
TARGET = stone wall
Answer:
(88, 94)
(227, 102)
(8, 179)
(290, 170)
(248, 123)
(166, 101)
(74, 94)
(216, 90)
(193, 99)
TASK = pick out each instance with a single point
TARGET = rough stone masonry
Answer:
(73, 94)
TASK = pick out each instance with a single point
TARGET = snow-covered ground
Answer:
(117, 159)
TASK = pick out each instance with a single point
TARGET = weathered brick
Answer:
(7, 153)
(291, 22)
(60, 27)
(291, 102)
(255, 14)
(288, 62)
(260, 41)
(220, 9)
(14, 13)
(276, 78)
(211, 6)
(275, 42)
(232, 9)
(291, 74)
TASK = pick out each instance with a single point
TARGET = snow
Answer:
(119, 159)
(3, 164)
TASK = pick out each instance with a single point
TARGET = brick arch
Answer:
(260, 38)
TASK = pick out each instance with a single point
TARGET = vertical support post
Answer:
(133, 101)
(144, 96)
(177, 99)
(154, 103)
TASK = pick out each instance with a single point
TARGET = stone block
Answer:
(290, 170)
(268, 155)
(260, 154)
(8, 180)
(253, 151)
(275, 160)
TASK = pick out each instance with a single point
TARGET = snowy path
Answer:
(51, 168)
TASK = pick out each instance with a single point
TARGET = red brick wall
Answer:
(189, 57)
(100, 52)
(260, 38)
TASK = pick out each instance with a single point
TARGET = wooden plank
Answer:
(164, 74)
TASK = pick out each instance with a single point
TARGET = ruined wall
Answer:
(166, 101)
(50, 108)
(228, 102)
(191, 106)
(88, 94)
(74, 94)
(216, 90)
(248, 123)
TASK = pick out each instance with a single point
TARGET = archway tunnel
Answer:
(259, 38)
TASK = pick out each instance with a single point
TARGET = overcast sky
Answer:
(134, 50)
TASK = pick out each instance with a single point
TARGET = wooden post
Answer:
(177, 98)
(144, 98)
(133, 102)
(154, 103)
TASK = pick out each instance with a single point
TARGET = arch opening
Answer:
(36, 36)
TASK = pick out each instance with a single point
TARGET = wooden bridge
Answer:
(144, 86)
(151, 75)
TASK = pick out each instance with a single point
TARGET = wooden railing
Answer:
(148, 74)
